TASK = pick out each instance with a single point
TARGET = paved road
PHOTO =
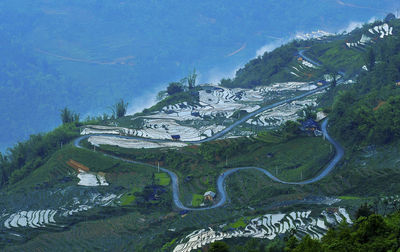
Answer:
(301, 53)
(221, 179)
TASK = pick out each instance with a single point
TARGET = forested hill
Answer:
(264, 70)
(344, 53)
(369, 111)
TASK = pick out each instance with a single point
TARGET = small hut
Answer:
(175, 137)
(209, 195)
(309, 125)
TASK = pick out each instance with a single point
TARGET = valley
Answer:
(276, 152)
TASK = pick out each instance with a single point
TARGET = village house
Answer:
(309, 125)
(175, 137)
(321, 82)
(209, 196)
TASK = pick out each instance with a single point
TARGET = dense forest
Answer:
(370, 232)
(369, 111)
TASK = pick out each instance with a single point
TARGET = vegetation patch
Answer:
(350, 198)
(162, 178)
(240, 223)
(197, 199)
(129, 198)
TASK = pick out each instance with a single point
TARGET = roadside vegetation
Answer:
(293, 159)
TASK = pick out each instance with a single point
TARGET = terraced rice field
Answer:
(214, 103)
(268, 226)
(32, 219)
(374, 33)
(279, 115)
(51, 217)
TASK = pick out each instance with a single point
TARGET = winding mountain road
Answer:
(301, 53)
(221, 179)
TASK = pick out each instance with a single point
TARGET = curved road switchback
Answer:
(221, 179)
(222, 194)
(301, 53)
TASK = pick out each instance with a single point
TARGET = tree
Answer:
(119, 108)
(290, 129)
(334, 79)
(291, 243)
(370, 59)
(226, 82)
(276, 245)
(174, 88)
(3, 169)
(308, 244)
(332, 73)
(372, 233)
(364, 211)
(219, 246)
(161, 95)
(67, 116)
(308, 112)
(191, 79)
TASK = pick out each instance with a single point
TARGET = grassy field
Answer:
(197, 199)
(129, 197)
(162, 178)
(349, 198)
(240, 223)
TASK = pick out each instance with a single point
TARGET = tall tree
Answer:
(174, 88)
(119, 109)
(370, 59)
(219, 246)
(191, 79)
(334, 79)
(67, 116)
(3, 170)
